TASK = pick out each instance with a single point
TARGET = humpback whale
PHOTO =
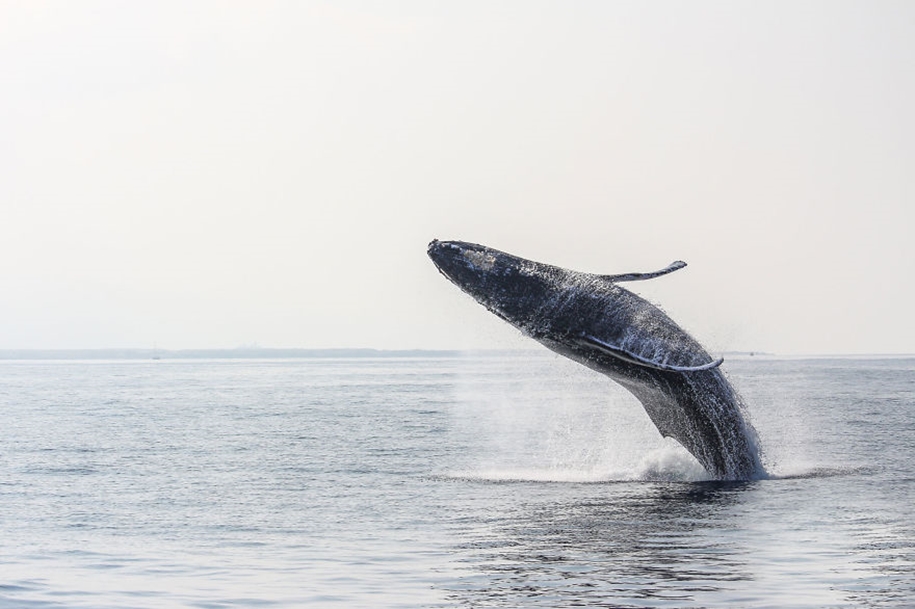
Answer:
(593, 320)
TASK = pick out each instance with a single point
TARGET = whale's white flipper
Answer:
(638, 360)
(673, 266)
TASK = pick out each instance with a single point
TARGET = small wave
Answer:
(509, 475)
(671, 465)
(653, 468)
(801, 473)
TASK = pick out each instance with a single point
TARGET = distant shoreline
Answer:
(238, 353)
(299, 353)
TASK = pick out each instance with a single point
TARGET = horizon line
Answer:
(257, 352)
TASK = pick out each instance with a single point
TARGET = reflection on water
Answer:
(661, 543)
(769, 543)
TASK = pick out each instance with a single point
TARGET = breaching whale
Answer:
(591, 319)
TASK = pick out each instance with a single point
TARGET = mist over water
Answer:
(488, 481)
(550, 419)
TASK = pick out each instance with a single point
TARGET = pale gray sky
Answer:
(208, 174)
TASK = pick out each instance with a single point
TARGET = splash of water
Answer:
(670, 463)
(543, 418)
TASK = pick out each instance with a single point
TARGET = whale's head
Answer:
(513, 288)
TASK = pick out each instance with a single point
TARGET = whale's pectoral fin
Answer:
(673, 266)
(638, 360)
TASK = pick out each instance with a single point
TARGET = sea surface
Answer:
(509, 480)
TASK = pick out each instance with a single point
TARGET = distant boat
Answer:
(155, 354)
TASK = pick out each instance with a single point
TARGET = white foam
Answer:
(670, 463)
(547, 419)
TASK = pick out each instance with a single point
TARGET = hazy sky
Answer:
(210, 174)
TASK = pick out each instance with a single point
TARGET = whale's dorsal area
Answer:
(633, 358)
(670, 268)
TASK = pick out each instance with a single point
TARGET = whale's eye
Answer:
(483, 261)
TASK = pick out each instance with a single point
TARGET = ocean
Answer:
(476, 480)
